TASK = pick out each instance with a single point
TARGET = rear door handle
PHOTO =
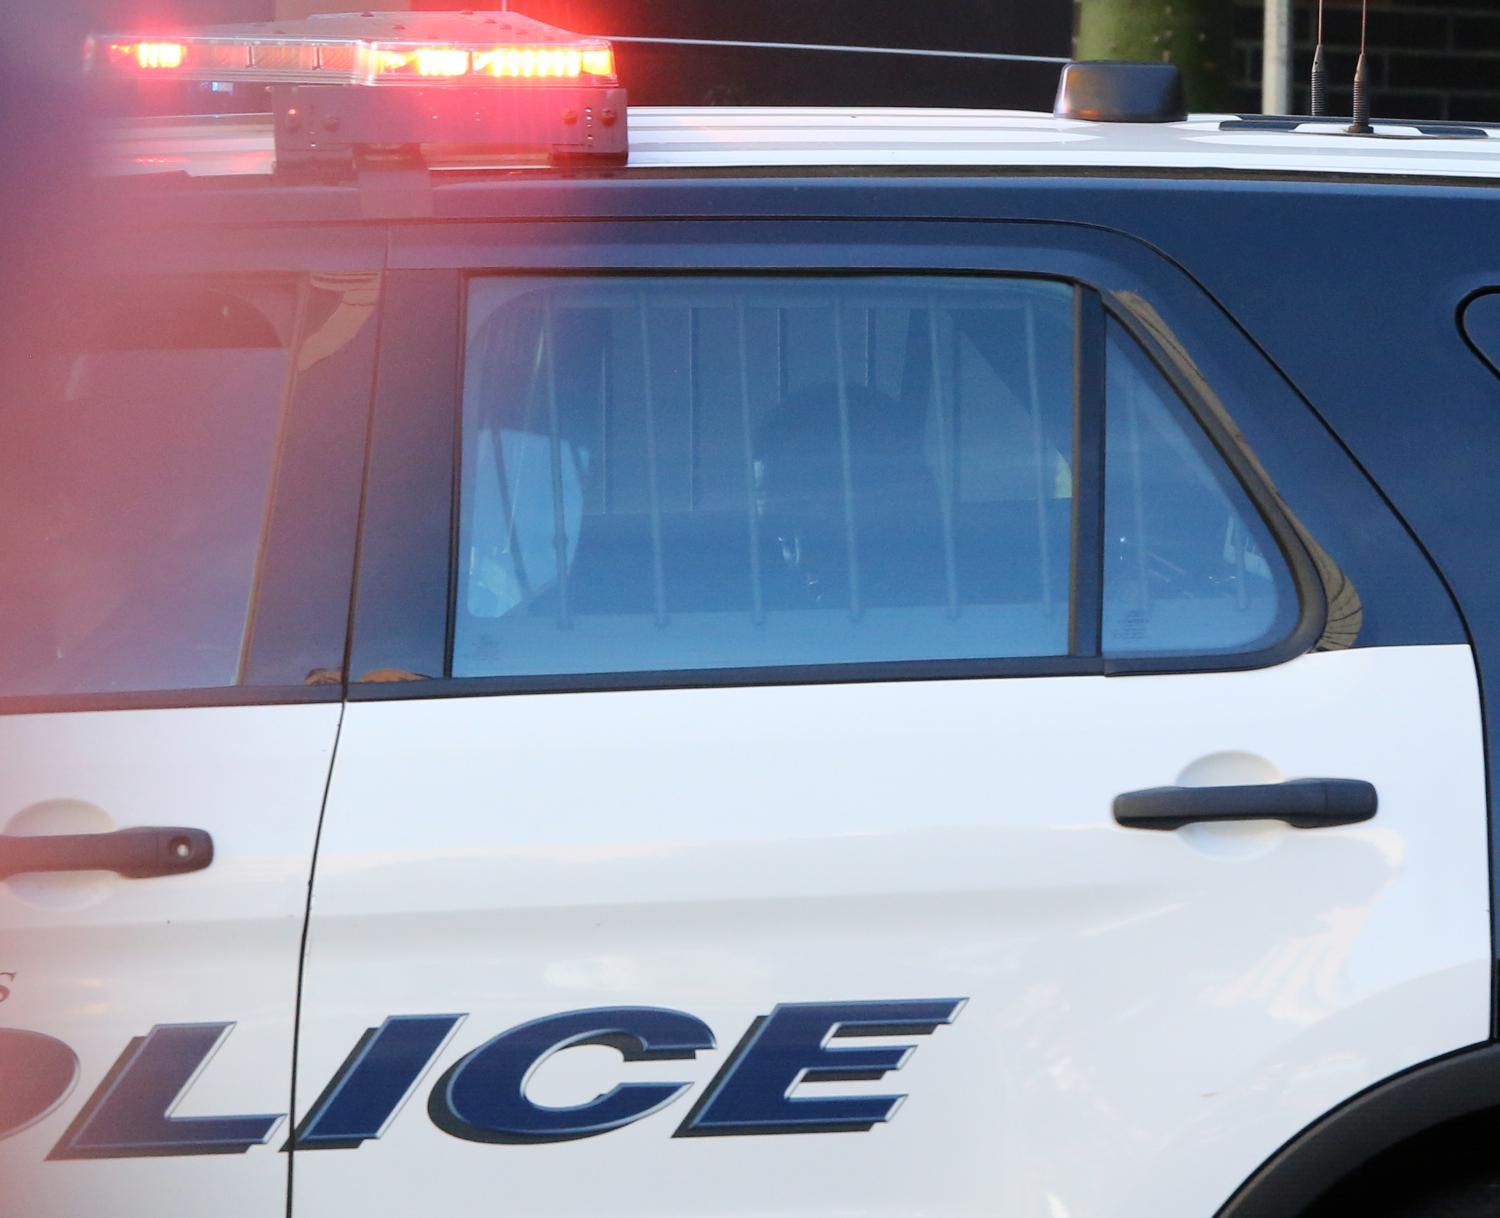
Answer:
(136, 854)
(1306, 803)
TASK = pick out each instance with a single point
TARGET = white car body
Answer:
(1139, 1020)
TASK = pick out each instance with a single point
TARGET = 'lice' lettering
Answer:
(373, 1083)
(789, 1048)
(770, 1084)
(130, 1115)
(483, 1098)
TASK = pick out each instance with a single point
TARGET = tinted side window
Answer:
(135, 493)
(1190, 567)
(734, 472)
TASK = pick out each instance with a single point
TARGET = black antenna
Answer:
(1319, 93)
(739, 44)
(1361, 123)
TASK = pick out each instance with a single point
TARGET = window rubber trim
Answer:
(170, 699)
(1461, 318)
(728, 678)
(1090, 401)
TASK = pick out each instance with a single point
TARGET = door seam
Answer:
(312, 873)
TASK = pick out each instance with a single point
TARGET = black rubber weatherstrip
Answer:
(1085, 617)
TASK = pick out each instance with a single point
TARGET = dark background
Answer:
(694, 76)
(1428, 58)
(691, 76)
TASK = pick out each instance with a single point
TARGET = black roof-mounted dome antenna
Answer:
(1117, 91)
(1319, 92)
(1361, 123)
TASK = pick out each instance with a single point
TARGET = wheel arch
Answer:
(1374, 1129)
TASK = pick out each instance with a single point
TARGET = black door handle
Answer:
(136, 854)
(1307, 803)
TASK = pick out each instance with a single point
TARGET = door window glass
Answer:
(1190, 567)
(134, 489)
(733, 472)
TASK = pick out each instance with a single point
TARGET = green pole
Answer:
(1196, 35)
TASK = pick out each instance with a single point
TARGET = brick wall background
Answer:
(1427, 58)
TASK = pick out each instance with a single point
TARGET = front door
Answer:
(755, 767)
(177, 531)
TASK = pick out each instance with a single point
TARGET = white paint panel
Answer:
(100, 960)
(1150, 1014)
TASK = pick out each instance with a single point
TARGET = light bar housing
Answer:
(344, 86)
(458, 49)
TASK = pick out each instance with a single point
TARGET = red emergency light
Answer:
(147, 56)
(344, 84)
(366, 49)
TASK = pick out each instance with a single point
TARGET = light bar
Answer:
(371, 49)
(365, 91)
(344, 63)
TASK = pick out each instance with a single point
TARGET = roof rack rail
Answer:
(1325, 124)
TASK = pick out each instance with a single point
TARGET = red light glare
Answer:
(512, 63)
(148, 54)
(441, 61)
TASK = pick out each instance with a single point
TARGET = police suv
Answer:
(547, 643)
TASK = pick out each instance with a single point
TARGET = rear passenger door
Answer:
(177, 534)
(747, 661)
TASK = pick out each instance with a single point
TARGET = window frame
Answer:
(1087, 406)
(317, 463)
(415, 471)
(1488, 353)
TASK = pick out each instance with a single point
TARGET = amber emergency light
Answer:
(350, 88)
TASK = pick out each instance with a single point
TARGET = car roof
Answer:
(729, 138)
